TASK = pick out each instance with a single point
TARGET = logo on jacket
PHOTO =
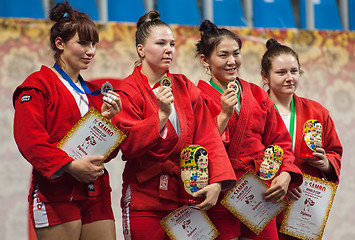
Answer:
(26, 98)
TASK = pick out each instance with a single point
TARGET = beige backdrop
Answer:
(327, 59)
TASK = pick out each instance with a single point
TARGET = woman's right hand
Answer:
(165, 99)
(228, 100)
(85, 169)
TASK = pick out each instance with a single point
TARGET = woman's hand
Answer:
(85, 169)
(278, 188)
(211, 193)
(165, 99)
(112, 104)
(321, 161)
(294, 193)
(228, 100)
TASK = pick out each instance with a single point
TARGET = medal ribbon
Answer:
(220, 90)
(292, 120)
(72, 84)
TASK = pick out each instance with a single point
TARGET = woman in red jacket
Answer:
(280, 70)
(160, 121)
(47, 105)
(248, 123)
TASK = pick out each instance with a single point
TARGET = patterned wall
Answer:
(327, 59)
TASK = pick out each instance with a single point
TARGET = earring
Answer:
(207, 70)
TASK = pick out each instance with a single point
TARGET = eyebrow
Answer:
(224, 51)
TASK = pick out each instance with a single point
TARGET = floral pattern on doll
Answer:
(194, 168)
(272, 161)
(312, 134)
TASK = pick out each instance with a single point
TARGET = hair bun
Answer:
(150, 16)
(272, 43)
(207, 26)
(60, 10)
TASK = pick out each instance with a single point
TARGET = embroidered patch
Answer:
(164, 180)
(272, 161)
(26, 98)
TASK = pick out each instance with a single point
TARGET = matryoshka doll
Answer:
(194, 172)
(311, 139)
(272, 161)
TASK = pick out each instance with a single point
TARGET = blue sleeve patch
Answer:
(26, 98)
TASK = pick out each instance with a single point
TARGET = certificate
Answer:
(189, 223)
(92, 135)
(306, 217)
(245, 202)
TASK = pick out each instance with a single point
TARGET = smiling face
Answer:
(76, 54)
(158, 50)
(224, 62)
(283, 77)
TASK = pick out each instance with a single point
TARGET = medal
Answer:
(166, 81)
(233, 85)
(106, 87)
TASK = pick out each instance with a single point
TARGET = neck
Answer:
(153, 77)
(221, 85)
(73, 74)
(283, 103)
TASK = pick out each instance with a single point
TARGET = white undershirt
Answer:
(80, 99)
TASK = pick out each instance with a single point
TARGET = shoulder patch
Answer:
(26, 98)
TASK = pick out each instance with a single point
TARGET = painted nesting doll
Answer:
(272, 161)
(312, 138)
(194, 168)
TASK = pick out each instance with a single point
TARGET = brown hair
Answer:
(275, 49)
(68, 23)
(145, 25)
(211, 36)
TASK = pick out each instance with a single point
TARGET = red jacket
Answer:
(307, 109)
(148, 155)
(256, 127)
(44, 112)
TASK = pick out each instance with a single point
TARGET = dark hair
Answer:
(211, 36)
(145, 23)
(68, 23)
(275, 49)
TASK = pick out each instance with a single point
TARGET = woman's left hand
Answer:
(111, 104)
(321, 161)
(211, 193)
(278, 188)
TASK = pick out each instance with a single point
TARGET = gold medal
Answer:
(166, 81)
(233, 85)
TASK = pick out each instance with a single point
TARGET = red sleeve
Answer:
(214, 108)
(276, 133)
(206, 134)
(32, 137)
(332, 147)
(142, 132)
